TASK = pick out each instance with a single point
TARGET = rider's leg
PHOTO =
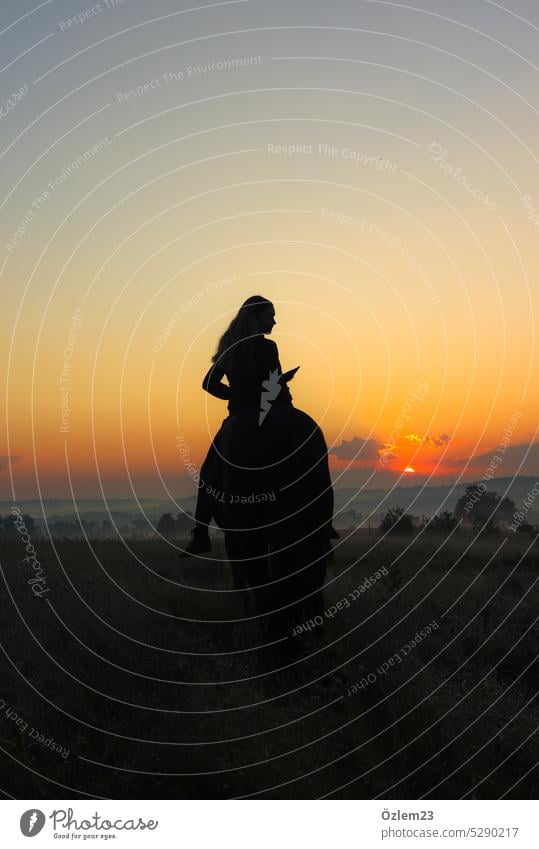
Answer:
(200, 539)
(209, 487)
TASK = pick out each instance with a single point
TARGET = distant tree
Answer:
(396, 521)
(65, 530)
(484, 509)
(527, 528)
(441, 523)
(348, 518)
(8, 526)
(166, 525)
(29, 524)
(184, 523)
(107, 529)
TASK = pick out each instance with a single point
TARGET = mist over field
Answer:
(353, 507)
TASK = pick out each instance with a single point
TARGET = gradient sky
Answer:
(371, 167)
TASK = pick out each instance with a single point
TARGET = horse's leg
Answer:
(298, 572)
(255, 567)
(235, 556)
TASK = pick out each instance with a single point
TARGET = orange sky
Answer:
(376, 193)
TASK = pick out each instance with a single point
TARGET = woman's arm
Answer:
(213, 383)
(273, 356)
(274, 363)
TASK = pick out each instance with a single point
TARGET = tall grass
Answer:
(156, 677)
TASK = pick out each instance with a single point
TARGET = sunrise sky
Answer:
(371, 167)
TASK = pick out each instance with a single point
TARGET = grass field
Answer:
(153, 675)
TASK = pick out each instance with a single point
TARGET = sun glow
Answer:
(408, 470)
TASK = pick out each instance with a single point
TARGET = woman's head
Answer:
(254, 317)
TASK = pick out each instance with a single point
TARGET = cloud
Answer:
(367, 450)
(429, 441)
(7, 460)
(358, 449)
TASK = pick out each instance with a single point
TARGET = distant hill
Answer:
(415, 499)
(428, 500)
(94, 509)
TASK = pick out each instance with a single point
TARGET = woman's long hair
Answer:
(236, 345)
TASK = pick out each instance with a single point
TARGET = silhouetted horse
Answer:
(275, 504)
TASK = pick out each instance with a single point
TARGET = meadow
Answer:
(153, 675)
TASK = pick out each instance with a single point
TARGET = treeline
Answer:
(484, 511)
(139, 528)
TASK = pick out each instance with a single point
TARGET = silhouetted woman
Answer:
(246, 358)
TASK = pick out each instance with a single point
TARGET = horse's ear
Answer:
(288, 375)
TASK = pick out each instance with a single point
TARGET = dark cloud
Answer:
(7, 460)
(358, 449)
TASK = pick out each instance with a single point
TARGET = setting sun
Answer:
(408, 470)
